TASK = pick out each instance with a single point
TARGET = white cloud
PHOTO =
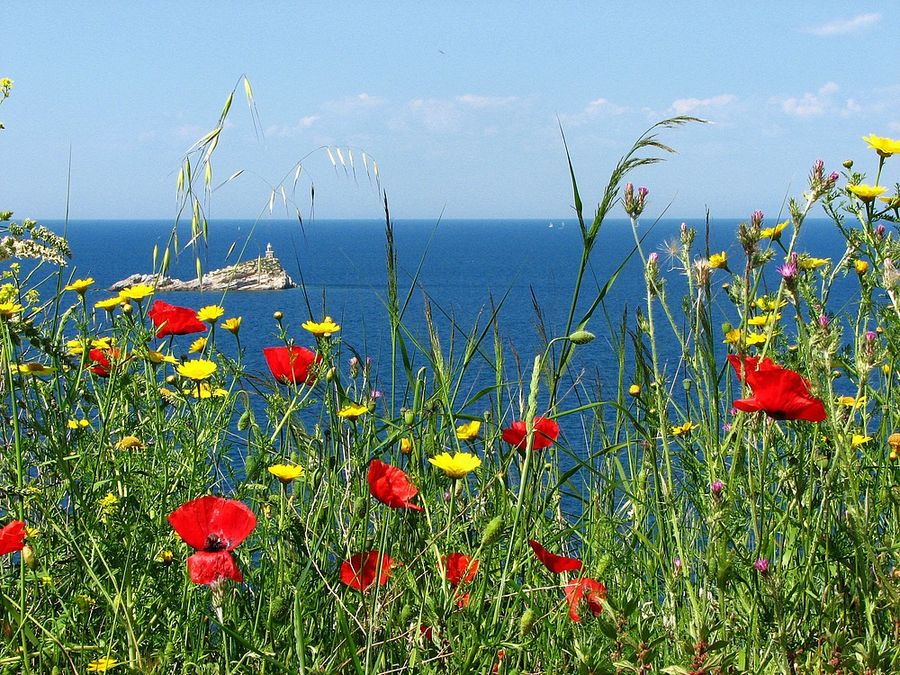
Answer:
(291, 130)
(476, 101)
(810, 104)
(845, 26)
(595, 108)
(683, 106)
(435, 114)
(352, 104)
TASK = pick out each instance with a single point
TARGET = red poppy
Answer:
(555, 563)
(214, 526)
(174, 320)
(12, 537)
(391, 486)
(102, 361)
(588, 589)
(779, 392)
(291, 364)
(460, 568)
(545, 432)
(359, 572)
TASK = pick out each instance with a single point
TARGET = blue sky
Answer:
(458, 102)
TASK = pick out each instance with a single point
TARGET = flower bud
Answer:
(847, 164)
(581, 337)
(762, 566)
(278, 316)
(861, 267)
(634, 390)
(409, 417)
(756, 219)
(127, 309)
(492, 532)
(28, 557)
(526, 623)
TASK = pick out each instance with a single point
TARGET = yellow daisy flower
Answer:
(286, 473)
(198, 345)
(323, 328)
(233, 324)
(774, 232)
(77, 424)
(885, 147)
(684, 429)
(405, 446)
(130, 443)
(732, 337)
(861, 267)
(109, 304)
(205, 391)
(34, 368)
(156, 357)
(80, 286)
(867, 193)
(198, 369)
(634, 390)
(101, 665)
(137, 292)
(769, 304)
(9, 309)
(809, 263)
(851, 402)
(210, 313)
(755, 339)
(763, 319)
(718, 261)
(352, 410)
(858, 440)
(457, 465)
(469, 431)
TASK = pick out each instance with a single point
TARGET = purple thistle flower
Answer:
(716, 488)
(762, 566)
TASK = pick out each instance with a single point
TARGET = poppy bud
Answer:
(28, 557)
(581, 337)
(278, 316)
(243, 421)
(408, 417)
(526, 623)
(492, 532)
(329, 374)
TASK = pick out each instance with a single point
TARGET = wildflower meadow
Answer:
(724, 507)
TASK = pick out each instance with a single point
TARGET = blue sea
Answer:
(462, 266)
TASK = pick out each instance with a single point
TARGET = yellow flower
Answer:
(885, 147)
(866, 192)
(718, 261)
(198, 369)
(80, 286)
(809, 263)
(892, 201)
(101, 665)
(861, 267)
(107, 506)
(457, 465)
(774, 232)
(77, 424)
(684, 429)
(322, 329)
(137, 292)
(167, 393)
(755, 339)
(858, 440)
(198, 345)
(165, 557)
(204, 391)
(405, 446)
(764, 319)
(34, 368)
(352, 410)
(210, 313)
(469, 431)
(9, 309)
(286, 473)
(733, 336)
(769, 304)
(634, 390)
(851, 402)
(156, 357)
(233, 324)
(109, 304)
(130, 443)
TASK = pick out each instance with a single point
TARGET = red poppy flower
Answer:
(545, 432)
(102, 361)
(555, 563)
(391, 486)
(359, 572)
(174, 320)
(460, 568)
(12, 537)
(214, 526)
(291, 364)
(779, 392)
(588, 589)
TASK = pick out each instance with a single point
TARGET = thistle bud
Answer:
(756, 219)
(492, 532)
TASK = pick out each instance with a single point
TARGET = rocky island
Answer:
(264, 273)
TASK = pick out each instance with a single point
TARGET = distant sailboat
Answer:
(551, 224)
